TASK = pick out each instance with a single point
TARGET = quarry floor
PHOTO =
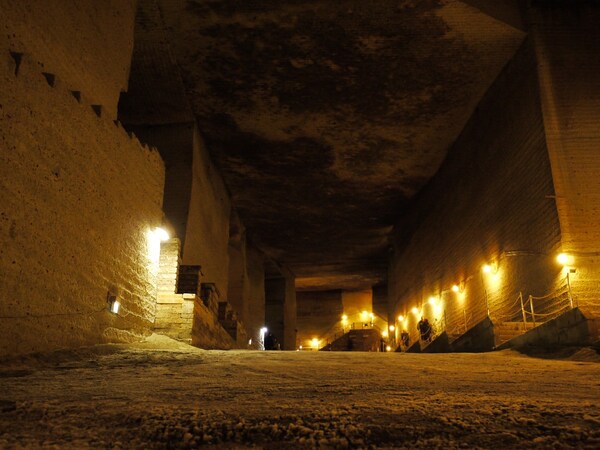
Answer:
(163, 394)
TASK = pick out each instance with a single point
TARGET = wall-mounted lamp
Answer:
(161, 234)
(392, 328)
(415, 310)
(455, 288)
(384, 334)
(388, 348)
(565, 259)
(400, 318)
(432, 300)
(490, 268)
(344, 318)
(113, 303)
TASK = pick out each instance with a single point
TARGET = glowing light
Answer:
(372, 316)
(392, 327)
(155, 237)
(263, 331)
(364, 314)
(415, 310)
(565, 259)
(432, 301)
(490, 268)
(400, 318)
(455, 288)
(114, 307)
(384, 333)
(250, 341)
(344, 317)
(315, 343)
(161, 234)
(388, 348)
(437, 310)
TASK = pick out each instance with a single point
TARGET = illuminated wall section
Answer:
(79, 204)
(566, 43)
(491, 203)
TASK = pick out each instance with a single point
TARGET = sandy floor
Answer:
(162, 394)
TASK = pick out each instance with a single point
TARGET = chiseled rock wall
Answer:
(566, 40)
(88, 43)
(78, 198)
(491, 202)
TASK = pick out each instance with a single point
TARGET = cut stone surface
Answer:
(165, 394)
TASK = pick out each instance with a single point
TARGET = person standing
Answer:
(424, 328)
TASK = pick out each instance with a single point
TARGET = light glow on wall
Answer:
(491, 268)
(384, 334)
(344, 318)
(455, 288)
(400, 318)
(261, 342)
(415, 311)
(155, 237)
(114, 306)
(315, 343)
(433, 300)
(565, 259)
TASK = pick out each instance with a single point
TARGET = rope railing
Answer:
(535, 310)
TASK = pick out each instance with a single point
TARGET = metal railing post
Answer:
(523, 308)
(569, 290)
(532, 312)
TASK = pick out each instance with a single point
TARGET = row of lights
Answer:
(490, 269)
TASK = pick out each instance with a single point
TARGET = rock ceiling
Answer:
(326, 117)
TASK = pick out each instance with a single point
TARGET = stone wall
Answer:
(566, 42)
(491, 202)
(207, 238)
(246, 289)
(280, 307)
(78, 201)
(319, 312)
(88, 43)
(255, 319)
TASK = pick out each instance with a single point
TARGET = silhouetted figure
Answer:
(382, 345)
(405, 338)
(424, 328)
(270, 342)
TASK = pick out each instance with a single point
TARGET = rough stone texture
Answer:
(280, 308)
(207, 332)
(162, 394)
(323, 119)
(440, 344)
(87, 43)
(196, 201)
(491, 201)
(246, 289)
(175, 144)
(78, 198)
(566, 41)
(319, 313)
(479, 338)
(255, 319)
(570, 329)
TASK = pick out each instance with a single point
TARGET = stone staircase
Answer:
(366, 340)
(505, 331)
